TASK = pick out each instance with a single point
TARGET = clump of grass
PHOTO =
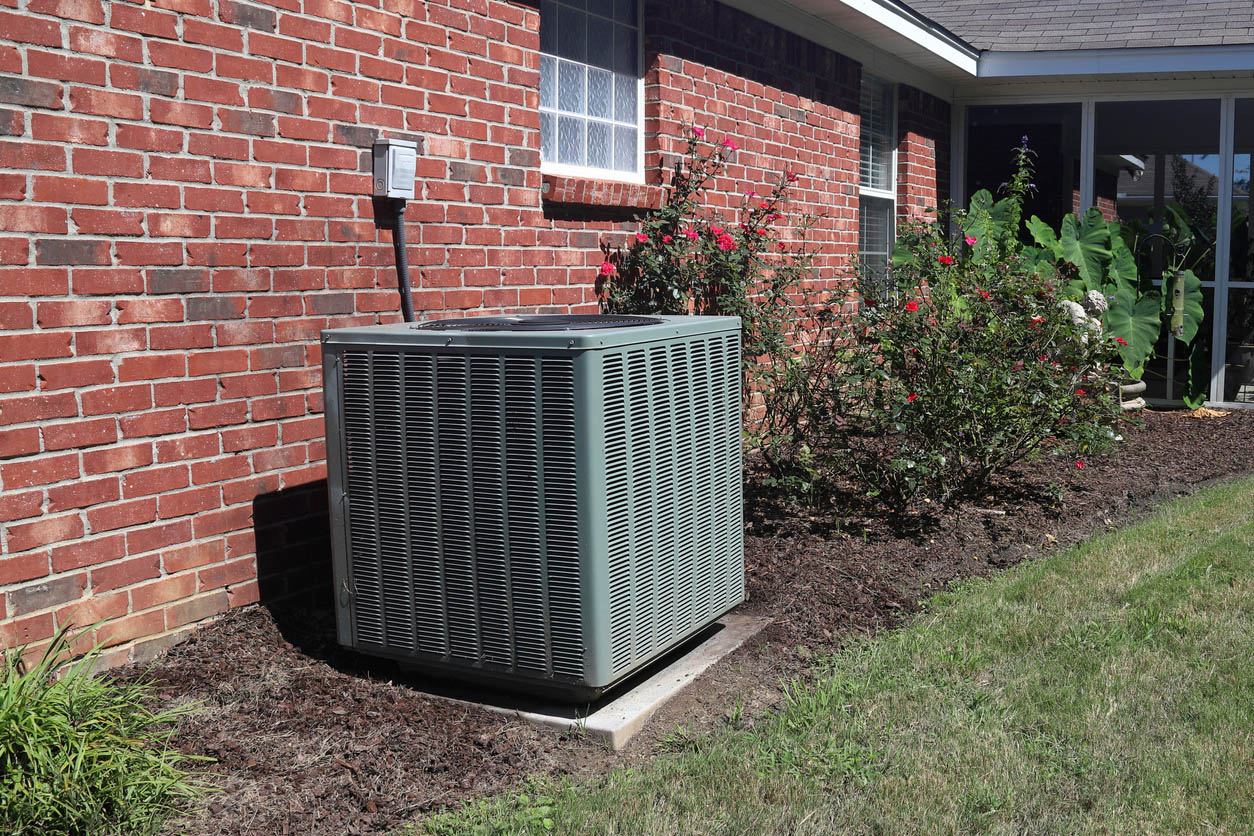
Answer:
(82, 755)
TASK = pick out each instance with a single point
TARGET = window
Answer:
(590, 88)
(877, 203)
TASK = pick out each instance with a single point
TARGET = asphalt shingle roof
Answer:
(1074, 24)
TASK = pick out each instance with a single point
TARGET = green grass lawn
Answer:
(1108, 689)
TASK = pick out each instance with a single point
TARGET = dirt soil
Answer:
(308, 738)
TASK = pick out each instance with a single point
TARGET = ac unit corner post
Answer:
(546, 505)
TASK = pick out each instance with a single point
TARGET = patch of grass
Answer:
(83, 756)
(1108, 689)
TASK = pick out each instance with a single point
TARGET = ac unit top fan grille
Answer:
(554, 322)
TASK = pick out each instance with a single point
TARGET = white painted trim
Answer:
(1090, 62)
(1034, 91)
(818, 31)
(587, 172)
(1088, 131)
(1223, 246)
(953, 50)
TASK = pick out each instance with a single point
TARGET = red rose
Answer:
(912, 305)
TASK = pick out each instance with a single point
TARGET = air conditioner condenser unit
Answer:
(544, 503)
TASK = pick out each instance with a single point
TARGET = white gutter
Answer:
(1090, 62)
(920, 31)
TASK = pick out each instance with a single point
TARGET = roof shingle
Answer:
(1076, 24)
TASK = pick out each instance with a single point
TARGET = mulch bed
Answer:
(310, 739)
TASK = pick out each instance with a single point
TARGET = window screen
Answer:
(590, 84)
(875, 244)
(877, 134)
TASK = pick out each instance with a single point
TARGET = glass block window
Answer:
(877, 204)
(590, 85)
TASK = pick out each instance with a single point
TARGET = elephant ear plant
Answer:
(1096, 254)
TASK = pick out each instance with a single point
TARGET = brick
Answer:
(185, 392)
(110, 163)
(20, 442)
(108, 44)
(28, 29)
(214, 35)
(34, 219)
(13, 187)
(107, 222)
(76, 312)
(152, 366)
(27, 408)
(215, 308)
(132, 627)
(217, 415)
(139, 253)
(65, 68)
(192, 556)
(220, 470)
(212, 90)
(71, 251)
(47, 594)
(144, 21)
(157, 82)
(22, 537)
(160, 422)
(217, 362)
(150, 195)
(40, 471)
(117, 399)
(28, 92)
(18, 568)
(125, 573)
(31, 155)
(167, 225)
(144, 138)
(188, 447)
(251, 17)
(181, 336)
(17, 506)
(108, 281)
(106, 103)
(112, 341)
(75, 373)
(187, 114)
(92, 609)
(163, 591)
(197, 609)
(83, 494)
(155, 480)
(122, 515)
(90, 433)
(181, 57)
(117, 459)
(189, 502)
(148, 310)
(50, 127)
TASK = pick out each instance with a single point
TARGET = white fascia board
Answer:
(892, 16)
(816, 30)
(1090, 62)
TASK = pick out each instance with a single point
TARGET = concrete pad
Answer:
(617, 717)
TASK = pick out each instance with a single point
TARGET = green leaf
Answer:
(1043, 234)
(1121, 271)
(1199, 375)
(1187, 313)
(903, 254)
(1138, 323)
(1085, 244)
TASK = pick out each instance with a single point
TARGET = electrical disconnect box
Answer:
(395, 165)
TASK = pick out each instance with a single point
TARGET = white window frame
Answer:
(889, 194)
(588, 172)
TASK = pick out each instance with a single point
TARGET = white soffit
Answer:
(887, 40)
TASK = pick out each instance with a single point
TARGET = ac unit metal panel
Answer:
(547, 519)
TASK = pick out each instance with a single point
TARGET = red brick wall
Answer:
(183, 208)
(922, 152)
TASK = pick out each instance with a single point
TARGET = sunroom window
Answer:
(590, 88)
(877, 204)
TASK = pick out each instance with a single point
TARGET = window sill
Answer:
(584, 191)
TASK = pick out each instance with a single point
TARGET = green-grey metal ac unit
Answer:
(544, 502)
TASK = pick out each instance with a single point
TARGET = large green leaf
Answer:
(1043, 234)
(1199, 375)
(1188, 312)
(1086, 244)
(1121, 272)
(1137, 322)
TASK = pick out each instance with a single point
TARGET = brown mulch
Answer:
(310, 739)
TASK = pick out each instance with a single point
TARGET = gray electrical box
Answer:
(395, 166)
(544, 502)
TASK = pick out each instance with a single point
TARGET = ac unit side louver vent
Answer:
(546, 513)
